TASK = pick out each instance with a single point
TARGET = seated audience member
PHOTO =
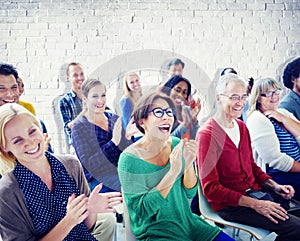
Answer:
(186, 122)
(228, 70)
(291, 80)
(42, 196)
(275, 135)
(98, 138)
(227, 168)
(158, 177)
(11, 94)
(70, 104)
(23, 103)
(175, 67)
(231, 70)
(132, 92)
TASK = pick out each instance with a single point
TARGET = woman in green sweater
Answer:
(158, 177)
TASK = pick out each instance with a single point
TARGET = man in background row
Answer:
(10, 93)
(291, 80)
(70, 104)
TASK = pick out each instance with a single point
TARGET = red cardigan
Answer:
(225, 170)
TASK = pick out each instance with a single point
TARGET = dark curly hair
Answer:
(292, 70)
(8, 69)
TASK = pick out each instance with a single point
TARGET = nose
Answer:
(10, 92)
(29, 142)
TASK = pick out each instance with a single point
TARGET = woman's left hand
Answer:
(286, 191)
(195, 111)
(117, 132)
(131, 129)
(275, 114)
(189, 152)
(103, 202)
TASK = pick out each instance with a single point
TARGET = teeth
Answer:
(163, 126)
(9, 101)
(33, 151)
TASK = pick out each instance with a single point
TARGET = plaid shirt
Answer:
(70, 106)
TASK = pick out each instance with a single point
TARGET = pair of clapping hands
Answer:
(186, 149)
(80, 207)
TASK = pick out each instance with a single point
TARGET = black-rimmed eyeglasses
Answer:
(237, 97)
(159, 112)
(271, 93)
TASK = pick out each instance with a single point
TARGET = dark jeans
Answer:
(288, 230)
(289, 178)
(223, 237)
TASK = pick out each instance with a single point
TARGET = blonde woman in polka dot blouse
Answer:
(42, 196)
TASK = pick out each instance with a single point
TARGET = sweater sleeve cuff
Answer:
(191, 192)
(154, 200)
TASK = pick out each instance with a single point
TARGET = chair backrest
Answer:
(128, 232)
(211, 215)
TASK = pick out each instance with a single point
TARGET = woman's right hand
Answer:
(176, 158)
(117, 132)
(77, 209)
(271, 210)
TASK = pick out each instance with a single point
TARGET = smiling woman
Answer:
(38, 185)
(157, 176)
(186, 123)
(275, 134)
(98, 138)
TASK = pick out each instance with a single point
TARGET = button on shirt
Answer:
(46, 207)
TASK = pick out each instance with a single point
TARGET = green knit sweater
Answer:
(152, 216)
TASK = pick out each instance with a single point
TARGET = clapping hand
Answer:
(195, 111)
(103, 202)
(117, 132)
(77, 209)
(189, 152)
(131, 129)
(176, 158)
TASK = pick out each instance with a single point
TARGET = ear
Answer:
(218, 98)
(84, 99)
(258, 100)
(4, 150)
(141, 123)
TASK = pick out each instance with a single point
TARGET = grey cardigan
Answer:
(15, 221)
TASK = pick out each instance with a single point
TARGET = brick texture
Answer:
(111, 37)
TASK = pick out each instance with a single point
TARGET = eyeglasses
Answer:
(271, 93)
(159, 112)
(237, 97)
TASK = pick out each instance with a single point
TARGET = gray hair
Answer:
(224, 80)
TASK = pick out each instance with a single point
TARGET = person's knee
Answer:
(105, 227)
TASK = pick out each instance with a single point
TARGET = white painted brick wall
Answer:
(40, 37)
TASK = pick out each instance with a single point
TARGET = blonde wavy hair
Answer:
(126, 89)
(7, 113)
(260, 86)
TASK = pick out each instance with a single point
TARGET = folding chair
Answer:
(128, 232)
(209, 214)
